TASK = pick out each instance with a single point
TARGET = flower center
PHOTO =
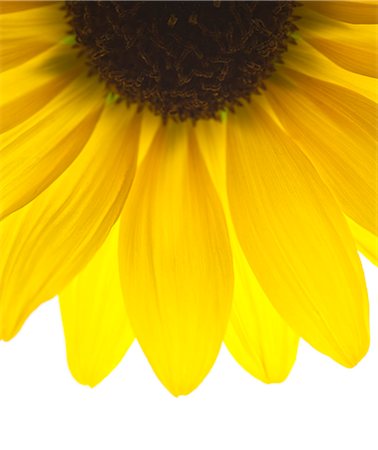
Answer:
(184, 60)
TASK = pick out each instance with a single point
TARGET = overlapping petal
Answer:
(38, 150)
(46, 243)
(347, 11)
(308, 60)
(353, 47)
(257, 337)
(312, 111)
(26, 32)
(96, 327)
(295, 237)
(367, 243)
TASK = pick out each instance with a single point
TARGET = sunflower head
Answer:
(183, 59)
(243, 230)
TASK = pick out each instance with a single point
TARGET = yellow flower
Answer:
(181, 233)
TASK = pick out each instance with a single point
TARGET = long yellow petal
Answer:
(60, 60)
(14, 53)
(12, 6)
(26, 89)
(96, 327)
(26, 33)
(45, 22)
(353, 47)
(336, 129)
(23, 107)
(257, 337)
(35, 153)
(149, 127)
(46, 243)
(347, 11)
(176, 264)
(295, 238)
(306, 59)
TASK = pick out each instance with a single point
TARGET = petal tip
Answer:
(352, 360)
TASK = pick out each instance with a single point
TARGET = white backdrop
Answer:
(321, 406)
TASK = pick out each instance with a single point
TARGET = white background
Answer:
(321, 406)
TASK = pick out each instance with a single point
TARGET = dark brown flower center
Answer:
(185, 60)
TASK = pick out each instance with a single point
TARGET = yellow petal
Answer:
(176, 265)
(96, 327)
(35, 153)
(22, 107)
(46, 243)
(353, 47)
(257, 336)
(295, 238)
(212, 138)
(13, 53)
(149, 127)
(26, 33)
(367, 242)
(12, 6)
(336, 129)
(306, 59)
(45, 22)
(347, 11)
(39, 71)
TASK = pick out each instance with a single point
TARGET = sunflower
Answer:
(187, 174)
